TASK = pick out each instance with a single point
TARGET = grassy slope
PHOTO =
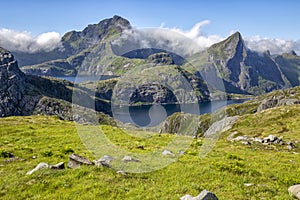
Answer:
(223, 171)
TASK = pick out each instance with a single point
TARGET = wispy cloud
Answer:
(197, 35)
(275, 46)
(182, 42)
(26, 42)
(172, 39)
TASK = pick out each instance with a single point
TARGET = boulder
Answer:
(60, 165)
(204, 195)
(291, 145)
(104, 161)
(121, 172)
(43, 165)
(167, 153)
(129, 159)
(76, 161)
(40, 166)
(295, 191)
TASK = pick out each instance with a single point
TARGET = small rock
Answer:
(231, 136)
(240, 138)
(271, 138)
(180, 152)
(291, 146)
(129, 159)
(258, 140)
(204, 195)
(246, 142)
(38, 167)
(121, 172)
(167, 153)
(33, 157)
(104, 161)
(76, 161)
(106, 158)
(187, 197)
(60, 165)
(295, 191)
(249, 184)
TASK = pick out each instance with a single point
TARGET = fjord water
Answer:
(152, 115)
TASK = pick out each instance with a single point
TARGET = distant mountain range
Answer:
(227, 69)
(242, 70)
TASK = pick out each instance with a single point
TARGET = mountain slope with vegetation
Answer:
(232, 170)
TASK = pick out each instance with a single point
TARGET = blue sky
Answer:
(272, 19)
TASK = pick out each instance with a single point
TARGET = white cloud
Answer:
(196, 34)
(182, 42)
(275, 46)
(176, 40)
(24, 41)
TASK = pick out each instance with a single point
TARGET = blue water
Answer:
(151, 115)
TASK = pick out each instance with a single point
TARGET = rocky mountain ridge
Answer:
(247, 70)
(242, 70)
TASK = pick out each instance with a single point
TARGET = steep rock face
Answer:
(153, 94)
(289, 64)
(247, 70)
(12, 85)
(22, 94)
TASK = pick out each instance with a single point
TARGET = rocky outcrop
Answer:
(153, 93)
(12, 85)
(276, 101)
(76, 161)
(247, 70)
(22, 94)
(269, 140)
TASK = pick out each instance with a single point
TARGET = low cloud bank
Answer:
(26, 42)
(179, 41)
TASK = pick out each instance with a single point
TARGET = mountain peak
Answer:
(229, 47)
(116, 20)
(76, 41)
(237, 35)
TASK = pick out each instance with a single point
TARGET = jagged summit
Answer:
(229, 47)
(76, 41)
(93, 33)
